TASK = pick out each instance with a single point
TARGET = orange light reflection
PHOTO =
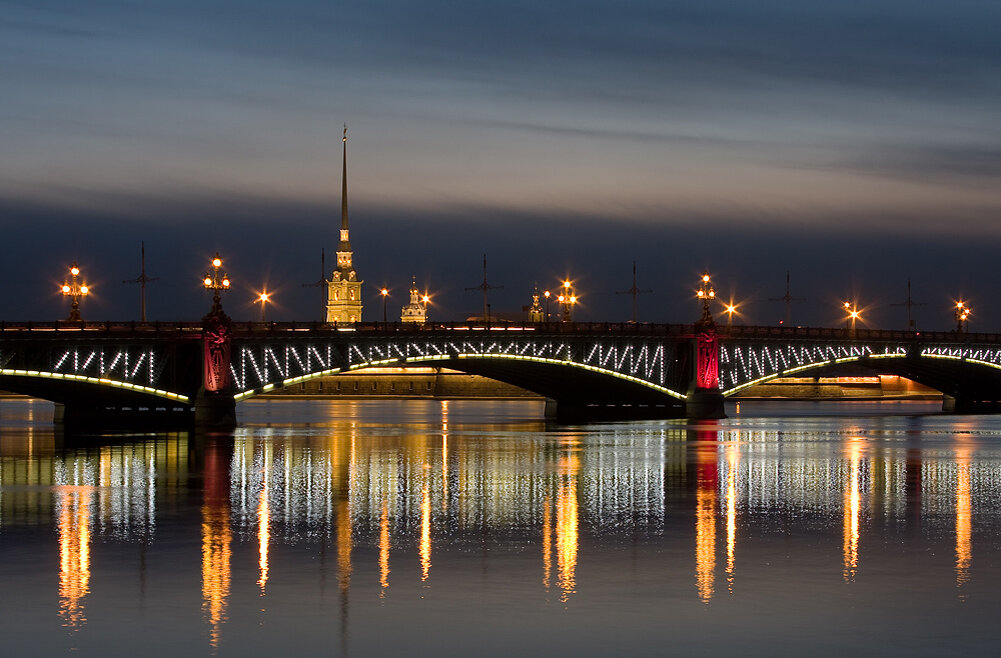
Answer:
(852, 505)
(74, 554)
(731, 512)
(567, 528)
(216, 553)
(425, 545)
(384, 549)
(964, 517)
(547, 542)
(263, 529)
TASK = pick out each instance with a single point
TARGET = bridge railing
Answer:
(193, 329)
(842, 333)
(128, 327)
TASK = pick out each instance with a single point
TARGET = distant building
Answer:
(535, 312)
(417, 310)
(344, 288)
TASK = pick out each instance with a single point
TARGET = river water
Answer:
(428, 528)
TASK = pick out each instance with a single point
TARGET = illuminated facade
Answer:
(535, 313)
(417, 310)
(344, 288)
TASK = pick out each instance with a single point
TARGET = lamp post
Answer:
(75, 290)
(547, 295)
(567, 300)
(385, 294)
(424, 304)
(962, 314)
(729, 310)
(706, 294)
(216, 281)
(852, 315)
(263, 299)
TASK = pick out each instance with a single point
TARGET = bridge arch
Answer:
(970, 375)
(624, 375)
(64, 387)
(552, 378)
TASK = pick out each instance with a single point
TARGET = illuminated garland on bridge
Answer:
(743, 365)
(100, 381)
(261, 367)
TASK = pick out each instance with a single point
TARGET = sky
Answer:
(853, 144)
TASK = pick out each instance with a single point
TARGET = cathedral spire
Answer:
(345, 243)
(344, 289)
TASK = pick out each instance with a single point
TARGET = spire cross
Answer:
(788, 299)
(142, 280)
(910, 303)
(634, 291)
(485, 287)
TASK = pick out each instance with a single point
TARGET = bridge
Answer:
(179, 372)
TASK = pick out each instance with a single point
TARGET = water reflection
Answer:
(964, 514)
(73, 503)
(852, 508)
(707, 481)
(567, 525)
(406, 505)
(216, 539)
(264, 522)
(732, 464)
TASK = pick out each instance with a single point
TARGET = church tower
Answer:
(344, 288)
(416, 312)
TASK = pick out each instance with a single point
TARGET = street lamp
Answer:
(385, 293)
(729, 310)
(963, 313)
(706, 293)
(547, 295)
(216, 281)
(567, 300)
(263, 298)
(424, 301)
(852, 315)
(75, 289)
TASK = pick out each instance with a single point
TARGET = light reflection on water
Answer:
(581, 538)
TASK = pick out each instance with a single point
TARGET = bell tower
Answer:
(344, 288)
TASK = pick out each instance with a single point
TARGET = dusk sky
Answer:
(854, 144)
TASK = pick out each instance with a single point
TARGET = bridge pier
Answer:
(704, 404)
(705, 400)
(215, 411)
(215, 406)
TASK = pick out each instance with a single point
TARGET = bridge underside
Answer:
(967, 387)
(575, 394)
(85, 403)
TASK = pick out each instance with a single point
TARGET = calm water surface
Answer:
(425, 528)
